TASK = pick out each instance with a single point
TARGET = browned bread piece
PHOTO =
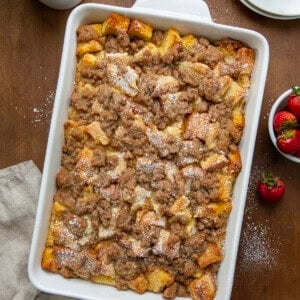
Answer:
(138, 29)
(115, 24)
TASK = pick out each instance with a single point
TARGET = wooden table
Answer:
(31, 37)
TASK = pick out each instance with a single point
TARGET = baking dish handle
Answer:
(196, 8)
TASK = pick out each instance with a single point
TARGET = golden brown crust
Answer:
(115, 24)
(211, 255)
(138, 29)
(203, 288)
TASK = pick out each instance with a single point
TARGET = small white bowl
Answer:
(60, 4)
(279, 105)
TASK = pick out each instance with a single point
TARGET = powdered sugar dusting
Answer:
(42, 113)
(125, 81)
(256, 248)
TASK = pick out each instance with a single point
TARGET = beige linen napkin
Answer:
(19, 188)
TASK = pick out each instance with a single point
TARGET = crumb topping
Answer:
(149, 160)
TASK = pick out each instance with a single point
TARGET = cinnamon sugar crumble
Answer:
(149, 160)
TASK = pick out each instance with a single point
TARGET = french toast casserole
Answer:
(149, 159)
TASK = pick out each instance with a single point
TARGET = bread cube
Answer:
(135, 246)
(197, 126)
(118, 58)
(193, 72)
(149, 218)
(86, 33)
(203, 288)
(88, 47)
(139, 284)
(229, 47)
(184, 216)
(164, 247)
(175, 129)
(115, 24)
(190, 227)
(165, 85)
(86, 87)
(199, 273)
(89, 61)
(84, 164)
(141, 195)
(58, 208)
(244, 80)
(216, 88)
(179, 205)
(72, 114)
(235, 162)
(158, 279)
(229, 53)
(138, 29)
(225, 189)
(126, 81)
(211, 255)
(213, 162)
(192, 171)
(246, 57)
(219, 208)
(171, 39)
(85, 154)
(103, 279)
(96, 132)
(149, 50)
(189, 42)
(50, 237)
(213, 210)
(48, 260)
(238, 117)
(70, 127)
(235, 94)
(212, 134)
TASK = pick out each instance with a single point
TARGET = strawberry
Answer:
(294, 102)
(289, 141)
(271, 189)
(284, 120)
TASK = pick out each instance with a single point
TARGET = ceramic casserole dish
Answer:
(189, 17)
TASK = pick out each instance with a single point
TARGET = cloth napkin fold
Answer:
(19, 188)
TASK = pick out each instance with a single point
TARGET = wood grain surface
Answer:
(31, 38)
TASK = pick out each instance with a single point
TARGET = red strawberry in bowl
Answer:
(284, 120)
(294, 102)
(289, 141)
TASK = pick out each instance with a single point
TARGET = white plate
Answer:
(266, 14)
(287, 8)
(157, 16)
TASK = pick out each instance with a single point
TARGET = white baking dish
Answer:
(191, 17)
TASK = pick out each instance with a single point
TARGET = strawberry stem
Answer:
(269, 179)
(296, 90)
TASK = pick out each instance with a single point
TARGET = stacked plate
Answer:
(275, 9)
